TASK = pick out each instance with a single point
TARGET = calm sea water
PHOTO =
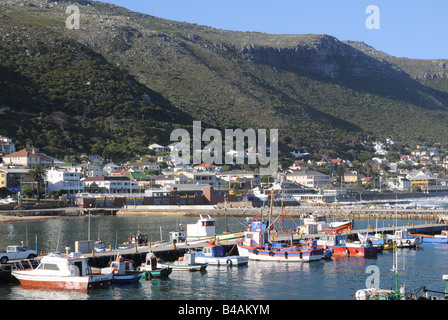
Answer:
(335, 279)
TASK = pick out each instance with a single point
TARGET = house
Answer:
(144, 181)
(309, 178)
(63, 180)
(6, 145)
(109, 167)
(246, 179)
(350, 176)
(298, 165)
(13, 179)
(108, 184)
(421, 178)
(201, 177)
(142, 166)
(158, 148)
(95, 158)
(27, 158)
(379, 148)
(172, 179)
(204, 167)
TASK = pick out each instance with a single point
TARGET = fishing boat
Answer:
(123, 271)
(437, 238)
(255, 246)
(138, 239)
(185, 263)
(316, 222)
(378, 239)
(403, 240)
(62, 271)
(150, 269)
(341, 246)
(215, 254)
(204, 229)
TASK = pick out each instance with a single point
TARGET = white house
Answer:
(309, 178)
(27, 158)
(158, 148)
(379, 148)
(110, 184)
(59, 179)
(6, 145)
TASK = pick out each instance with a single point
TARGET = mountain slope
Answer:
(324, 95)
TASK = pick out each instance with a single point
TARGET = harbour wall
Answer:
(295, 212)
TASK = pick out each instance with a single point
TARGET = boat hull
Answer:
(258, 254)
(63, 282)
(191, 268)
(218, 237)
(431, 239)
(127, 278)
(353, 251)
(224, 261)
(158, 273)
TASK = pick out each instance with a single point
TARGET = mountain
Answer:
(126, 79)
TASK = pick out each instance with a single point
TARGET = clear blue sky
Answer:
(408, 28)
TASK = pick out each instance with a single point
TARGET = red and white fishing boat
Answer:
(255, 246)
(341, 246)
(62, 271)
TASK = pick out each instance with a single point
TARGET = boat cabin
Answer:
(399, 234)
(332, 240)
(257, 234)
(150, 261)
(212, 250)
(60, 264)
(99, 246)
(178, 236)
(121, 265)
(204, 227)
(138, 239)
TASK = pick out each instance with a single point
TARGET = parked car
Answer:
(8, 200)
(17, 252)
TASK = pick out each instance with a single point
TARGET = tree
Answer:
(4, 192)
(37, 174)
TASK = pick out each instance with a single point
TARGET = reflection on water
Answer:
(338, 278)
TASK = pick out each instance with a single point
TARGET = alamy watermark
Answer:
(373, 20)
(234, 147)
(373, 280)
(73, 21)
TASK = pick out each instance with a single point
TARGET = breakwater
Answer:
(295, 212)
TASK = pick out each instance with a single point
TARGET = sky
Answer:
(402, 28)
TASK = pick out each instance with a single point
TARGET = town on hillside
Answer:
(153, 179)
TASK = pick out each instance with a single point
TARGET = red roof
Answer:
(205, 165)
(25, 154)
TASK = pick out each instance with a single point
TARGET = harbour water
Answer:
(335, 279)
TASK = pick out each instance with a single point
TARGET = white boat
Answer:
(150, 268)
(214, 254)
(255, 246)
(123, 271)
(204, 229)
(186, 263)
(403, 240)
(316, 222)
(62, 271)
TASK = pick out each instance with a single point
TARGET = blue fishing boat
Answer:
(123, 271)
(438, 238)
(255, 246)
(215, 254)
